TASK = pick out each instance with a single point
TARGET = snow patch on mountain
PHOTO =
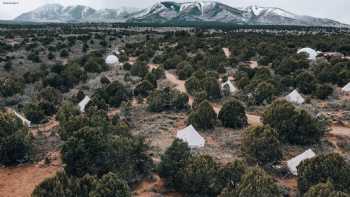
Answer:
(169, 11)
(257, 10)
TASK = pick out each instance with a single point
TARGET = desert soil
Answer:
(20, 181)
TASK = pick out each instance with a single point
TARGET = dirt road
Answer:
(180, 84)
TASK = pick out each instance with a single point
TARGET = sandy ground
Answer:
(333, 139)
(340, 131)
(291, 183)
(152, 188)
(113, 112)
(180, 84)
(20, 181)
(152, 66)
(45, 128)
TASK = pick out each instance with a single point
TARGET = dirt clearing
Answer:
(20, 181)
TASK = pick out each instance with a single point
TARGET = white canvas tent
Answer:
(232, 88)
(116, 51)
(311, 53)
(83, 103)
(295, 97)
(346, 88)
(191, 136)
(294, 162)
(23, 119)
(112, 59)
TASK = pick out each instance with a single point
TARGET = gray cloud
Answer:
(334, 9)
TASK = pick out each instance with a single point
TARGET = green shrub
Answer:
(152, 78)
(293, 125)
(206, 83)
(212, 87)
(232, 115)
(167, 99)
(322, 168)
(305, 82)
(198, 177)
(139, 69)
(324, 190)
(68, 186)
(185, 72)
(231, 174)
(173, 160)
(64, 53)
(96, 150)
(95, 64)
(15, 140)
(143, 89)
(323, 91)
(204, 117)
(256, 183)
(35, 113)
(67, 111)
(10, 86)
(127, 66)
(193, 85)
(261, 144)
(264, 92)
(113, 94)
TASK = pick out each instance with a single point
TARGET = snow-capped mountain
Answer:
(191, 11)
(212, 11)
(50, 12)
(111, 15)
(79, 13)
(277, 16)
(169, 11)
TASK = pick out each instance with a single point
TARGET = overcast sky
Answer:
(333, 9)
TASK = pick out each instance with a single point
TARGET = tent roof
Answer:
(233, 89)
(116, 51)
(191, 136)
(23, 119)
(83, 103)
(346, 88)
(311, 52)
(295, 161)
(295, 97)
(112, 59)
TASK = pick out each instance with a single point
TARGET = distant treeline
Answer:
(197, 25)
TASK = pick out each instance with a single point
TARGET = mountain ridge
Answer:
(171, 11)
